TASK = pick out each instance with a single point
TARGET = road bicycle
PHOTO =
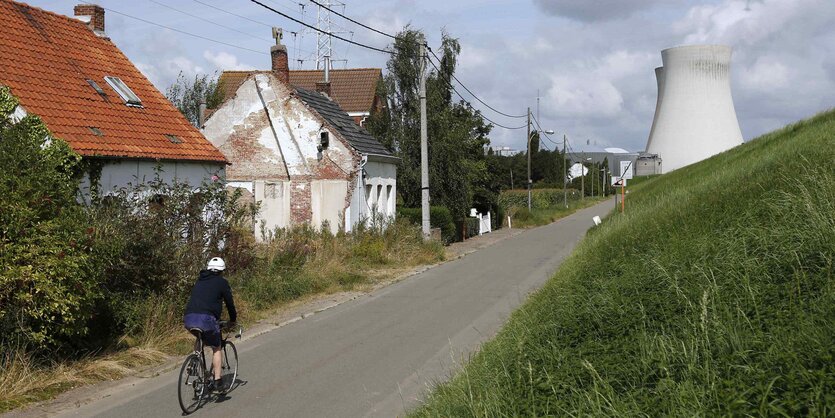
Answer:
(196, 374)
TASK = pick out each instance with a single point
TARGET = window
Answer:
(124, 91)
(95, 131)
(96, 87)
(174, 139)
(273, 191)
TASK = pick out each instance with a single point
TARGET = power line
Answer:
(541, 131)
(319, 30)
(209, 21)
(183, 32)
(474, 95)
(481, 115)
(233, 14)
(353, 21)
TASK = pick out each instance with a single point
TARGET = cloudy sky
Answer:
(591, 62)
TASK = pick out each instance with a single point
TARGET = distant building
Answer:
(613, 156)
(648, 164)
(505, 151)
(68, 72)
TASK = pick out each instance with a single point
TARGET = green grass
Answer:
(712, 295)
(523, 218)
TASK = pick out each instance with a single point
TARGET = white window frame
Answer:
(122, 89)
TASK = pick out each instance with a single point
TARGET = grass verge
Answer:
(524, 218)
(712, 295)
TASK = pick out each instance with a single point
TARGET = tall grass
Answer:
(293, 264)
(712, 295)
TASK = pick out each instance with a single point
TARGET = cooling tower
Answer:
(694, 115)
(659, 79)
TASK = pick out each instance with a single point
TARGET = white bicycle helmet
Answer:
(216, 264)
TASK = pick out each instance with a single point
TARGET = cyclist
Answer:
(204, 309)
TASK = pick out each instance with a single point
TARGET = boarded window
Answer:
(273, 191)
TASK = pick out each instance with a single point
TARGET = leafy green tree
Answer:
(457, 134)
(186, 95)
(46, 291)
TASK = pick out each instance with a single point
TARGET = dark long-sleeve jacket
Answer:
(208, 294)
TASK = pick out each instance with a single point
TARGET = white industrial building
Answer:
(694, 116)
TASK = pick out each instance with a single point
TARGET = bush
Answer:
(46, 288)
(439, 217)
(152, 239)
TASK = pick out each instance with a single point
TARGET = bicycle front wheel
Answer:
(229, 366)
(192, 384)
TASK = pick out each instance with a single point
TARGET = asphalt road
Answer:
(376, 355)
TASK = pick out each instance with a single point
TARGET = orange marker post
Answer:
(622, 197)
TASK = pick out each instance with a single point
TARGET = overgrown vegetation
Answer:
(712, 295)
(98, 286)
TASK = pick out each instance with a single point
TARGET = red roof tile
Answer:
(46, 58)
(353, 89)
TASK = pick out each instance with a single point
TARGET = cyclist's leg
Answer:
(213, 339)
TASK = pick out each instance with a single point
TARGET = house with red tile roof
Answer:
(67, 71)
(353, 89)
(300, 155)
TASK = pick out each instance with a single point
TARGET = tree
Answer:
(187, 95)
(457, 134)
(46, 291)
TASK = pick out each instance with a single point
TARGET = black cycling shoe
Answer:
(217, 386)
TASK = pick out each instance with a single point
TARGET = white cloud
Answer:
(225, 61)
(589, 11)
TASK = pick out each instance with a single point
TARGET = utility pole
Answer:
(564, 171)
(583, 178)
(511, 179)
(529, 158)
(593, 169)
(604, 181)
(424, 148)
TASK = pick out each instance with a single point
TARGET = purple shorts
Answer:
(207, 323)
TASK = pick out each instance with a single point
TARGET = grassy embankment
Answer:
(713, 295)
(293, 265)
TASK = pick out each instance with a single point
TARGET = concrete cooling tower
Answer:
(694, 116)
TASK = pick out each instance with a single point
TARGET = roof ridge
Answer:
(341, 69)
(72, 19)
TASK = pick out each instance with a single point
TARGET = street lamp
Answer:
(530, 137)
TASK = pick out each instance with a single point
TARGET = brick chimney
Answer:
(281, 68)
(93, 14)
(324, 87)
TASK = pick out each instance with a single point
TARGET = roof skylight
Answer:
(124, 91)
(174, 139)
(96, 87)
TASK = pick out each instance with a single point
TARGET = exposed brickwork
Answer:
(251, 160)
(323, 87)
(280, 66)
(95, 12)
(300, 208)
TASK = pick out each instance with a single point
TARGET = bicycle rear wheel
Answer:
(192, 384)
(229, 365)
